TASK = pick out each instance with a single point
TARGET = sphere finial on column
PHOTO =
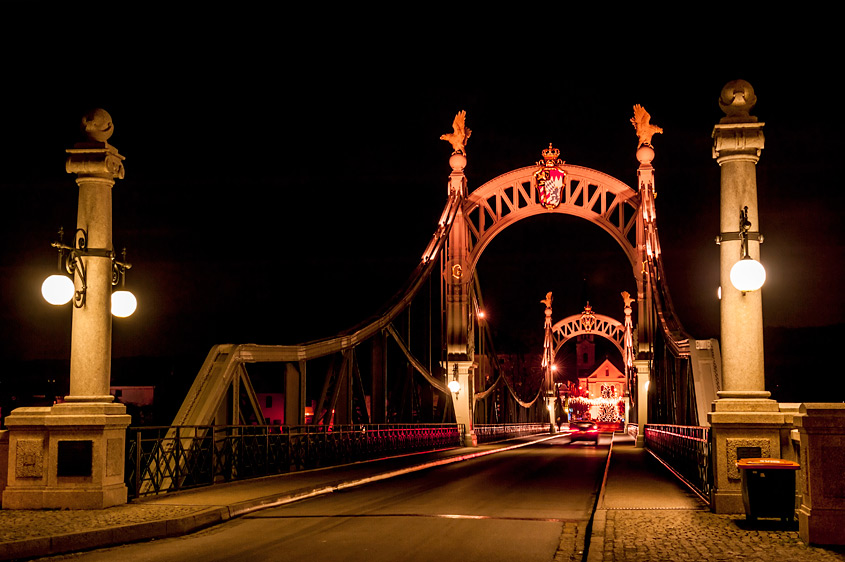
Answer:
(97, 125)
(457, 162)
(736, 100)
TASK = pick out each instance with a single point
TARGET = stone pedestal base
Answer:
(821, 526)
(470, 440)
(821, 517)
(741, 428)
(70, 456)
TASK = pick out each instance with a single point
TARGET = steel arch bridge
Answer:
(573, 326)
(588, 194)
(469, 222)
(489, 210)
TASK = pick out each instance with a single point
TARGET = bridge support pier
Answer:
(643, 373)
(463, 400)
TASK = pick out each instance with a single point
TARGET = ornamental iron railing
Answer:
(487, 433)
(686, 450)
(165, 459)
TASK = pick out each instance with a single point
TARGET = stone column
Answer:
(737, 144)
(744, 421)
(96, 164)
(71, 456)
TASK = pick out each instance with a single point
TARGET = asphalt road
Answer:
(507, 506)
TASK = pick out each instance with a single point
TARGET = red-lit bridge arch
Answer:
(599, 325)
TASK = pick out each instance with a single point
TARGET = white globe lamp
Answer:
(748, 275)
(58, 289)
(123, 303)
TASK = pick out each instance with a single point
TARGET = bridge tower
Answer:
(460, 353)
(646, 244)
(548, 363)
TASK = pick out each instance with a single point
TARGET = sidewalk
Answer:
(645, 514)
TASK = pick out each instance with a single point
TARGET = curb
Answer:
(595, 552)
(595, 543)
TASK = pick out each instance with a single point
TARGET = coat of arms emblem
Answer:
(550, 178)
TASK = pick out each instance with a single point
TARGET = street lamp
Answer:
(60, 289)
(747, 274)
(454, 385)
(123, 302)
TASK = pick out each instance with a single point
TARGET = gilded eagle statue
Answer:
(627, 299)
(460, 133)
(642, 123)
(548, 300)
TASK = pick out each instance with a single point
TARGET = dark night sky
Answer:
(274, 195)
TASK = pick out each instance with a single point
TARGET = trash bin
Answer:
(768, 488)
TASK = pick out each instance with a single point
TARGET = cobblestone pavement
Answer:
(671, 535)
(571, 548)
(31, 523)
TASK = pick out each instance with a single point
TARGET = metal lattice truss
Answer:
(603, 326)
(593, 195)
(224, 368)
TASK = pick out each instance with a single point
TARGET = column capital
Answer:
(88, 160)
(738, 141)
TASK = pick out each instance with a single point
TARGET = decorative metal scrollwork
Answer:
(70, 259)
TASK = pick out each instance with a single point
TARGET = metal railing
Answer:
(165, 459)
(487, 433)
(687, 450)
